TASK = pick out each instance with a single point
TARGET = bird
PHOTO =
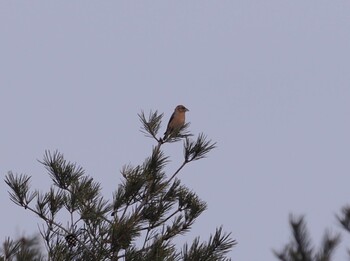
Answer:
(177, 120)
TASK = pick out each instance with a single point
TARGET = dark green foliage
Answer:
(300, 247)
(328, 246)
(20, 187)
(62, 173)
(195, 150)
(344, 218)
(22, 249)
(149, 207)
(151, 126)
(215, 249)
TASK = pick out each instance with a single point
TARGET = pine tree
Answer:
(344, 221)
(148, 210)
(300, 247)
(22, 249)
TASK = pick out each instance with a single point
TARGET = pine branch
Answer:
(176, 172)
(124, 231)
(191, 204)
(150, 125)
(220, 244)
(62, 173)
(24, 248)
(301, 236)
(344, 218)
(81, 194)
(329, 244)
(215, 249)
(51, 222)
(300, 249)
(195, 150)
(20, 189)
(10, 248)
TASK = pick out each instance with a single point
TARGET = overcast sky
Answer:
(269, 81)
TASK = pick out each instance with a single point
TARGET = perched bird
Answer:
(177, 120)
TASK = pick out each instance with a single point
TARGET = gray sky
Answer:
(268, 80)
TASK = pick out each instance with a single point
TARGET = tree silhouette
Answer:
(300, 247)
(22, 249)
(148, 210)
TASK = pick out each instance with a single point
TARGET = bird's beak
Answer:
(187, 109)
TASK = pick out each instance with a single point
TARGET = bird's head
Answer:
(181, 108)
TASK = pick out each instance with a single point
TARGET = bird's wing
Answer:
(170, 120)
